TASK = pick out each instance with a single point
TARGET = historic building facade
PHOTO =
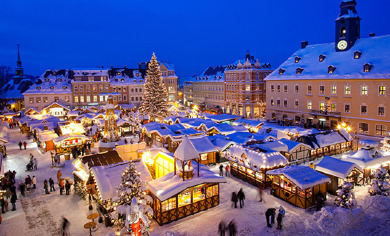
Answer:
(245, 87)
(327, 84)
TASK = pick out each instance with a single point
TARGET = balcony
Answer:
(326, 113)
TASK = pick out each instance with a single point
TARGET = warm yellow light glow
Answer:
(147, 158)
(343, 125)
(195, 107)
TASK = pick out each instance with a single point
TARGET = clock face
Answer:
(342, 45)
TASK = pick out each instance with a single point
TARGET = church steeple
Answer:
(19, 68)
(347, 26)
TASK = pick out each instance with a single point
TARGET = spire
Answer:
(18, 62)
(19, 68)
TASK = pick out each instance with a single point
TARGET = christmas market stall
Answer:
(71, 128)
(338, 171)
(252, 166)
(63, 145)
(328, 142)
(189, 189)
(369, 159)
(55, 109)
(45, 140)
(298, 185)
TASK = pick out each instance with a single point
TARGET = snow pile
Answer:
(377, 203)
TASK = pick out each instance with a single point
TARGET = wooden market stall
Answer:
(45, 140)
(368, 159)
(185, 191)
(298, 185)
(252, 166)
(64, 144)
(339, 171)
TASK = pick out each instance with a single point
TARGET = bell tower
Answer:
(347, 26)
(19, 68)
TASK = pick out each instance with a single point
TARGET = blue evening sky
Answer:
(190, 34)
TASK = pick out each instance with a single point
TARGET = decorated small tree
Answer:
(386, 143)
(154, 103)
(132, 187)
(80, 190)
(345, 196)
(380, 183)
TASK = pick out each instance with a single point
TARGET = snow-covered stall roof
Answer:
(248, 123)
(222, 128)
(336, 167)
(100, 159)
(368, 157)
(71, 128)
(170, 184)
(67, 136)
(186, 151)
(302, 176)
(108, 177)
(222, 117)
(202, 144)
(292, 145)
(325, 139)
(73, 113)
(240, 128)
(46, 136)
(221, 144)
(374, 50)
(254, 159)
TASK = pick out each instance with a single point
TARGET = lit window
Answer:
(367, 67)
(285, 88)
(299, 71)
(363, 109)
(66, 98)
(363, 128)
(81, 98)
(272, 102)
(357, 54)
(380, 130)
(347, 108)
(281, 71)
(88, 98)
(334, 89)
(45, 99)
(38, 99)
(296, 88)
(364, 90)
(272, 88)
(331, 69)
(285, 103)
(333, 107)
(309, 105)
(347, 90)
(31, 100)
(322, 106)
(278, 88)
(309, 89)
(321, 58)
(382, 90)
(297, 59)
(296, 104)
(322, 89)
(95, 98)
(381, 111)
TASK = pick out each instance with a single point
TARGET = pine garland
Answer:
(155, 94)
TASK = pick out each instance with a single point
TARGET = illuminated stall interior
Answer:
(298, 185)
(65, 143)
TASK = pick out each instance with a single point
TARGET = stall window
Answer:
(203, 157)
(184, 198)
(212, 191)
(169, 204)
(198, 193)
(250, 172)
(259, 176)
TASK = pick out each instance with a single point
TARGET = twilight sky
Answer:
(190, 34)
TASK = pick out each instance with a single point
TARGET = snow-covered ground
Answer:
(40, 214)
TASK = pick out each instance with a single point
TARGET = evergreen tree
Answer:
(131, 186)
(380, 183)
(154, 102)
(386, 143)
(345, 196)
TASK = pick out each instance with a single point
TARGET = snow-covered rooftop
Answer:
(367, 157)
(336, 167)
(302, 176)
(186, 151)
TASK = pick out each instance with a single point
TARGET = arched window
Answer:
(343, 31)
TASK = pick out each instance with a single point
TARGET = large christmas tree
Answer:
(154, 102)
(345, 196)
(380, 183)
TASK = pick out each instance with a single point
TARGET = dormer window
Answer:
(331, 69)
(119, 73)
(321, 58)
(299, 70)
(367, 67)
(64, 87)
(281, 71)
(39, 88)
(135, 81)
(116, 80)
(52, 87)
(297, 59)
(357, 54)
(137, 75)
(123, 80)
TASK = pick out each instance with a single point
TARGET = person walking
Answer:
(241, 197)
(25, 145)
(234, 199)
(261, 193)
(59, 174)
(279, 221)
(62, 185)
(20, 145)
(13, 201)
(51, 183)
(65, 226)
(227, 170)
(222, 228)
(221, 170)
(46, 186)
(270, 213)
(28, 182)
(67, 187)
(35, 163)
(34, 182)
(22, 188)
(232, 228)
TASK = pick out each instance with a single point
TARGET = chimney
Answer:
(304, 44)
(372, 35)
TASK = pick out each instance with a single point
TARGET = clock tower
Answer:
(347, 26)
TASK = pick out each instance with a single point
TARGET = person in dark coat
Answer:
(232, 228)
(234, 199)
(65, 226)
(20, 145)
(320, 201)
(241, 196)
(61, 185)
(222, 228)
(13, 201)
(22, 188)
(51, 183)
(221, 170)
(270, 213)
(46, 186)
(67, 187)
(279, 220)
(25, 145)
